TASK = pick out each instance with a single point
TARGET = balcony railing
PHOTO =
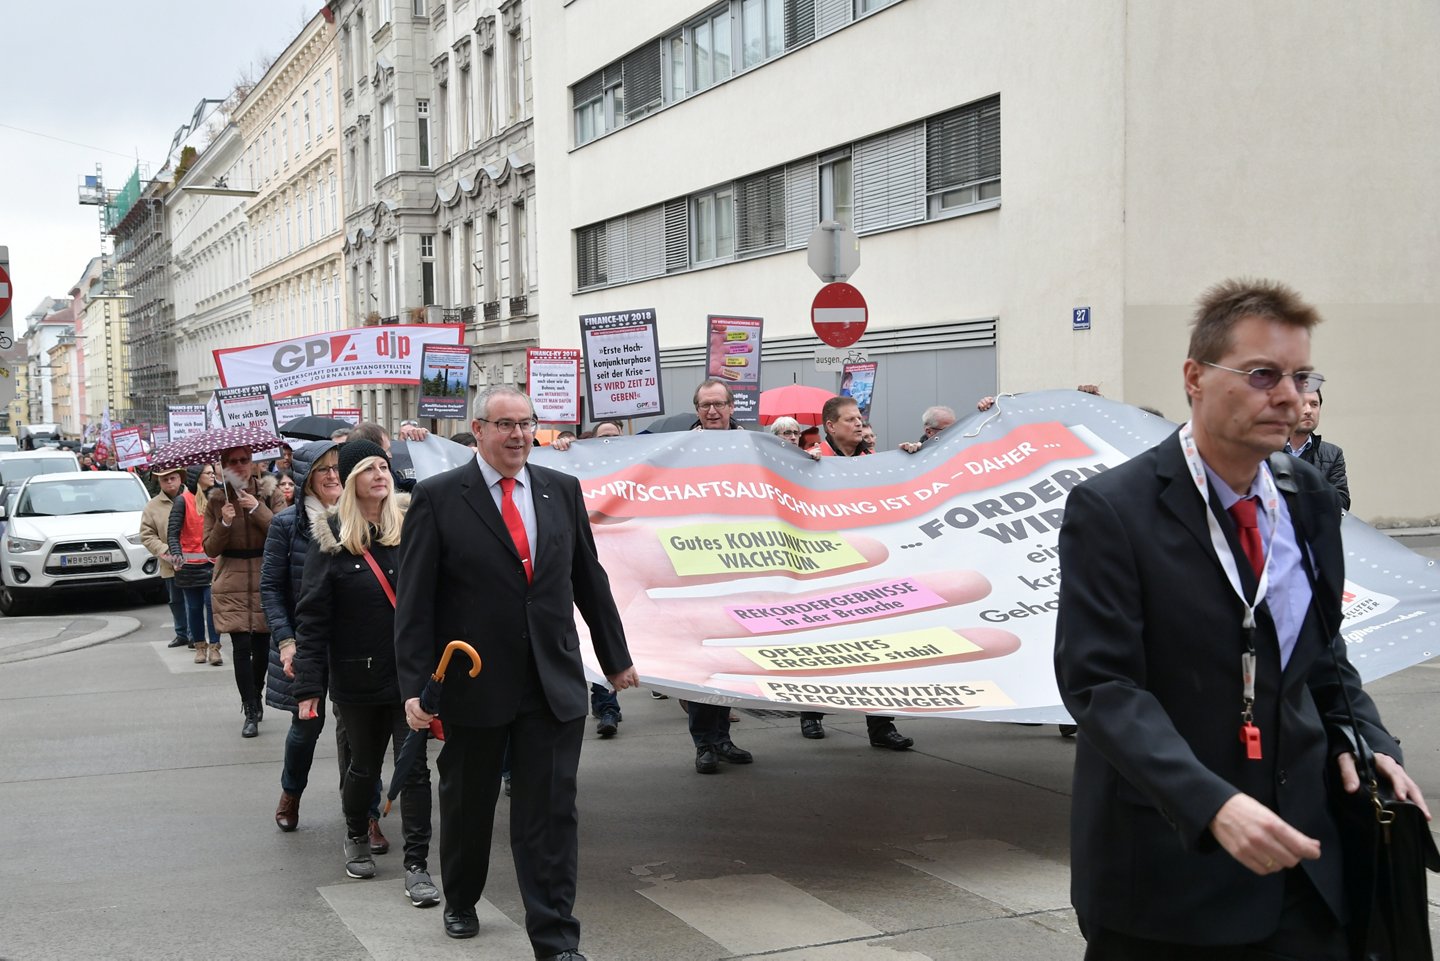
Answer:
(518, 306)
(492, 310)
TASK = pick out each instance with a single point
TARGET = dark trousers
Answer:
(1308, 931)
(370, 728)
(709, 723)
(178, 617)
(300, 743)
(543, 819)
(875, 724)
(250, 659)
(603, 699)
(199, 617)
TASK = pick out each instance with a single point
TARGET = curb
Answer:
(114, 626)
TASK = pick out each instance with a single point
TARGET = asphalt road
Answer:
(138, 824)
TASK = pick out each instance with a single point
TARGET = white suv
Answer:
(74, 531)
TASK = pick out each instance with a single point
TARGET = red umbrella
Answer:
(793, 400)
(207, 446)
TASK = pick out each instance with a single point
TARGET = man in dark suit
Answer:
(499, 553)
(1199, 831)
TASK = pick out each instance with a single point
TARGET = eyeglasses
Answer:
(325, 470)
(1267, 378)
(506, 425)
(790, 433)
(714, 405)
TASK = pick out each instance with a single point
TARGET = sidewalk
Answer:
(26, 638)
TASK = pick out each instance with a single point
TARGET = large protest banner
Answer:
(622, 364)
(360, 355)
(922, 584)
(185, 420)
(733, 355)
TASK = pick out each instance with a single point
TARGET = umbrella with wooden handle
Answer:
(430, 704)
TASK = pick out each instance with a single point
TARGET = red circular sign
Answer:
(4, 292)
(839, 315)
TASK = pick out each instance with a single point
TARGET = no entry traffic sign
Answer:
(839, 315)
(4, 287)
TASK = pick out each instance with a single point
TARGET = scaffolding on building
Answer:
(136, 219)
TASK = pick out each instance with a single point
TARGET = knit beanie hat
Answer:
(352, 452)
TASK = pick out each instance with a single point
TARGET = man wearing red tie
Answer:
(499, 553)
(1196, 657)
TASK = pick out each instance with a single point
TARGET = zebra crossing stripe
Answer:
(1017, 880)
(382, 919)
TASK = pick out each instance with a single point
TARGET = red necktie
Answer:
(516, 526)
(1242, 512)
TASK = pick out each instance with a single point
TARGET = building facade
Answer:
(52, 320)
(210, 265)
(290, 134)
(100, 327)
(142, 250)
(1040, 192)
(440, 180)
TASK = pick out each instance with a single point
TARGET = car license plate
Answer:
(84, 560)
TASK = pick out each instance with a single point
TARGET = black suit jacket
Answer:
(1147, 656)
(463, 581)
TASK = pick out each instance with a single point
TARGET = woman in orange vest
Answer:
(186, 539)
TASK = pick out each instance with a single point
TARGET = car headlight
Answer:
(21, 545)
(134, 539)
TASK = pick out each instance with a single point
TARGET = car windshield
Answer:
(13, 470)
(80, 496)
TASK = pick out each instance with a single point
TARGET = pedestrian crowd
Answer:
(335, 580)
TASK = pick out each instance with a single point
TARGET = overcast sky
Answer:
(117, 79)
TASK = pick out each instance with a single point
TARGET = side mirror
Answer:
(4, 511)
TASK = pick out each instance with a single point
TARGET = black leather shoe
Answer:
(812, 728)
(705, 761)
(178, 641)
(893, 740)
(461, 923)
(563, 956)
(609, 724)
(731, 754)
(1068, 730)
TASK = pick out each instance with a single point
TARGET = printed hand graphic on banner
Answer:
(751, 635)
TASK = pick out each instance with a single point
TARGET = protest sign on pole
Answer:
(360, 355)
(249, 406)
(186, 420)
(622, 364)
(159, 436)
(351, 415)
(212, 412)
(444, 381)
(734, 357)
(129, 448)
(915, 584)
(858, 381)
(554, 384)
(289, 408)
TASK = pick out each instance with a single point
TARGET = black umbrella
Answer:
(430, 704)
(314, 427)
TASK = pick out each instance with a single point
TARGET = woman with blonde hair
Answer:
(345, 627)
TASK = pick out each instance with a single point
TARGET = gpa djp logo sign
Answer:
(364, 355)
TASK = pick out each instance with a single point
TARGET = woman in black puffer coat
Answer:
(287, 544)
(345, 629)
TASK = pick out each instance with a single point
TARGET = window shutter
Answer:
(645, 241)
(677, 234)
(889, 172)
(802, 202)
(617, 248)
(642, 81)
(760, 212)
(831, 15)
(799, 22)
(590, 256)
(963, 146)
(586, 90)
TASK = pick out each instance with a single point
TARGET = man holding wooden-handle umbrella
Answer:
(499, 553)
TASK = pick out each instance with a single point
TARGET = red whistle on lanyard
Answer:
(437, 729)
(1250, 737)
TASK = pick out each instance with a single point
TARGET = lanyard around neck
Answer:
(1269, 501)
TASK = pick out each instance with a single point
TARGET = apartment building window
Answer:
(442, 117)
(712, 225)
(589, 105)
(515, 64)
(837, 189)
(305, 102)
(362, 41)
(334, 205)
(519, 283)
(310, 214)
(590, 256)
(708, 41)
(264, 156)
(962, 157)
(419, 8)
(352, 196)
(324, 317)
(469, 278)
(865, 6)
(329, 101)
(422, 117)
(762, 30)
(427, 269)
(387, 137)
(799, 22)
(285, 140)
(289, 237)
(760, 212)
(367, 182)
(492, 257)
(462, 112)
(446, 281)
(324, 224)
(392, 278)
(275, 149)
(335, 293)
(347, 64)
(489, 97)
(295, 122)
(387, 11)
